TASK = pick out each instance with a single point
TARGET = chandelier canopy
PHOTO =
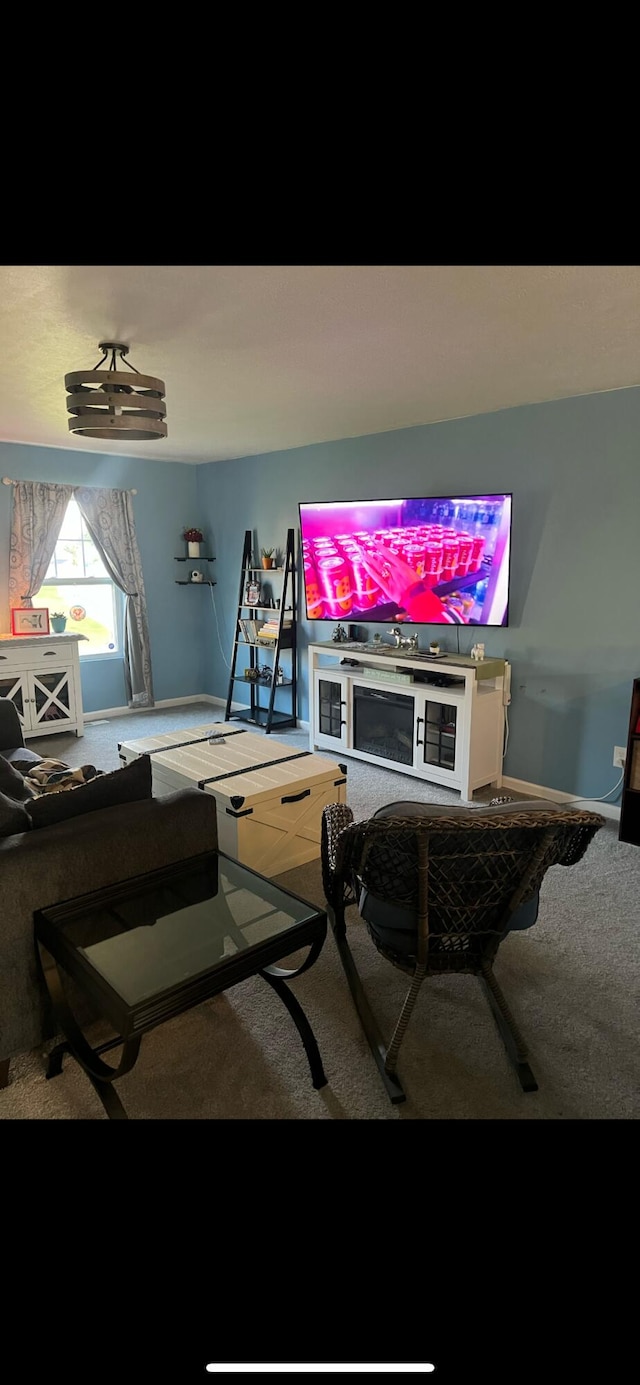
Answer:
(109, 404)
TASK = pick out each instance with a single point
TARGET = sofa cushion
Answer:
(126, 785)
(12, 783)
(13, 816)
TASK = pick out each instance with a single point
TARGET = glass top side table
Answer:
(152, 947)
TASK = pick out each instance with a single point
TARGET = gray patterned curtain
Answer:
(109, 518)
(36, 520)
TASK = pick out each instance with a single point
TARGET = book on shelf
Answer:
(276, 624)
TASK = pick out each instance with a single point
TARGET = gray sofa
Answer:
(45, 864)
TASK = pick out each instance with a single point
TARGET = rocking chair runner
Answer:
(438, 889)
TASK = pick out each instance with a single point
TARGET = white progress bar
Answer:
(322, 1368)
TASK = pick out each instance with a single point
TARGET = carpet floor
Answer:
(571, 981)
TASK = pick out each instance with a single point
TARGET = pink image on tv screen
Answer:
(440, 560)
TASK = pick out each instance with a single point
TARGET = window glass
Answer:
(78, 586)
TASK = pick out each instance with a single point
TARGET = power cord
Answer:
(568, 801)
(596, 800)
(218, 630)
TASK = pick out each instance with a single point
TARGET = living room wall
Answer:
(166, 501)
(574, 637)
(574, 634)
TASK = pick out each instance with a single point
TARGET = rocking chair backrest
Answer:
(440, 886)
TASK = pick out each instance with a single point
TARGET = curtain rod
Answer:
(10, 481)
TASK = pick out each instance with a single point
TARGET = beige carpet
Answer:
(572, 982)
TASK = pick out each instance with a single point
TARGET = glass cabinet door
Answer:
(51, 699)
(440, 729)
(331, 711)
(439, 735)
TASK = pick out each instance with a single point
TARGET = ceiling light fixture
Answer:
(107, 404)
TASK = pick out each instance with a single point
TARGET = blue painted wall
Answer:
(179, 617)
(574, 638)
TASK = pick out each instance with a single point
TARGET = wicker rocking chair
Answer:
(438, 889)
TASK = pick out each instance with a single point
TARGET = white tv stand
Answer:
(387, 708)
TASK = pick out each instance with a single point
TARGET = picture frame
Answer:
(30, 620)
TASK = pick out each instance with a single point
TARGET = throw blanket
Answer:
(52, 776)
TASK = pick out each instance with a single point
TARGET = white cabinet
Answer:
(438, 720)
(41, 676)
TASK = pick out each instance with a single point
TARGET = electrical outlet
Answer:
(619, 756)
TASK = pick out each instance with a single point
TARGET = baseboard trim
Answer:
(590, 805)
(107, 712)
(164, 702)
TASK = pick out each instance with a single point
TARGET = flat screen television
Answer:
(437, 560)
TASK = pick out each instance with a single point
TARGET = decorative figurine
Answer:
(403, 641)
(477, 652)
(339, 635)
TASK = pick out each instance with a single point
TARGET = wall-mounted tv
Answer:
(437, 560)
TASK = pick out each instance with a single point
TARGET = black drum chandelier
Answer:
(110, 404)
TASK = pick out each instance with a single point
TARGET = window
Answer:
(78, 585)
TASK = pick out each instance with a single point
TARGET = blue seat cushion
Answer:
(395, 926)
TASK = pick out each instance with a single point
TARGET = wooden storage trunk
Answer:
(269, 796)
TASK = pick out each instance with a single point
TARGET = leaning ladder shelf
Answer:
(250, 617)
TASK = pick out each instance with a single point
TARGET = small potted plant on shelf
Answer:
(194, 538)
(58, 622)
(267, 557)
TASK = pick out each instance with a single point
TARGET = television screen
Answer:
(440, 560)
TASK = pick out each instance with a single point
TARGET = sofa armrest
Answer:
(10, 726)
(48, 865)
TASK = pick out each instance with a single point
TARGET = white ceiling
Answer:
(256, 358)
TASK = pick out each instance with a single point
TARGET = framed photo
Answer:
(29, 620)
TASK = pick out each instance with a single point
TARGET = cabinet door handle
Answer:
(49, 654)
(418, 720)
(3, 656)
(295, 797)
